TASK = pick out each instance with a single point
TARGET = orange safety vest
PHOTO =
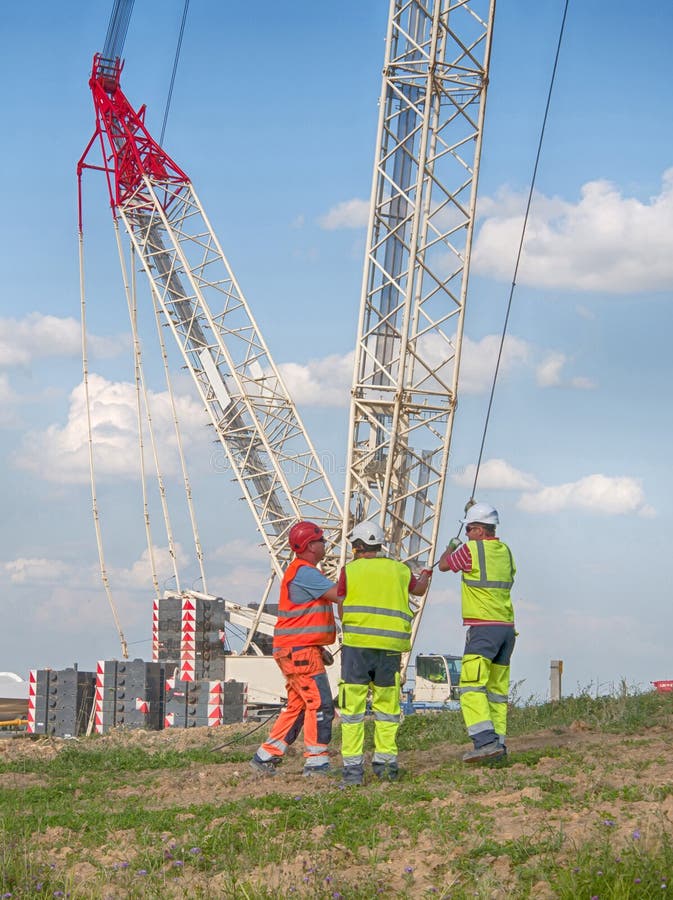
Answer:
(302, 624)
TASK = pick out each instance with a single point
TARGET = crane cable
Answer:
(94, 499)
(519, 253)
(180, 444)
(148, 415)
(175, 69)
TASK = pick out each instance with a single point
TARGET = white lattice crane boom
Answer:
(254, 418)
(416, 270)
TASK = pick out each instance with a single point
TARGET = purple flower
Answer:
(408, 869)
(599, 872)
(609, 822)
(636, 880)
(6, 895)
(636, 835)
(195, 851)
(142, 871)
(124, 865)
(178, 862)
(337, 895)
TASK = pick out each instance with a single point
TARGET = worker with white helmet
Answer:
(305, 627)
(376, 621)
(488, 572)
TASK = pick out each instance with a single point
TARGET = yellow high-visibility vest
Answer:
(486, 587)
(376, 612)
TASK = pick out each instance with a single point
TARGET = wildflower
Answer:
(636, 835)
(599, 872)
(142, 871)
(124, 865)
(6, 895)
(195, 851)
(636, 880)
(337, 895)
(576, 869)
(178, 862)
(328, 879)
(408, 869)
(609, 822)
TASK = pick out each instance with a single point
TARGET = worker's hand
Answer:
(470, 503)
(454, 544)
(425, 573)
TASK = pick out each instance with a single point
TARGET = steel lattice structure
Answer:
(416, 269)
(254, 417)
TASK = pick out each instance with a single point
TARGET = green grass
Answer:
(93, 821)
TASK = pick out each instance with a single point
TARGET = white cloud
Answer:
(549, 374)
(138, 576)
(611, 496)
(604, 242)
(320, 382)
(61, 454)
(238, 550)
(36, 570)
(37, 336)
(349, 214)
(478, 359)
(496, 474)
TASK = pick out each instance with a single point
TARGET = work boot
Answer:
(263, 766)
(352, 776)
(310, 771)
(487, 753)
(386, 771)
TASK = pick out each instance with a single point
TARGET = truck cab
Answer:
(437, 677)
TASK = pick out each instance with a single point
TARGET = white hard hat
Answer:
(369, 533)
(483, 513)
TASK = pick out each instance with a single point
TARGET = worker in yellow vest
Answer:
(488, 572)
(376, 618)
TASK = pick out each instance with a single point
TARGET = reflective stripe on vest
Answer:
(486, 587)
(376, 611)
(302, 624)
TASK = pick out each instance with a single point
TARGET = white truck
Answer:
(432, 683)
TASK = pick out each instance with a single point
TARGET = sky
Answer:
(273, 116)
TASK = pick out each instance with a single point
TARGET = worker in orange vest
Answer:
(304, 628)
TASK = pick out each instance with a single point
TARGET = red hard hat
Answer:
(302, 534)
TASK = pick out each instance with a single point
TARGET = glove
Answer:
(454, 544)
(470, 503)
(426, 572)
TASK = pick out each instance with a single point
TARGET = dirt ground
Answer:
(608, 766)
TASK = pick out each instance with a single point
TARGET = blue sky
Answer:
(274, 118)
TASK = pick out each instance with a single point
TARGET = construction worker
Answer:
(376, 621)
(304, 628)
(488, 571)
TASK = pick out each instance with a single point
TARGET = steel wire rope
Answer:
(92, 467)
(131, 300)
(175, 69)
(180, 445)
(150, 425)
(520, 250)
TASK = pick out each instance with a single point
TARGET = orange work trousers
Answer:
(309, 705)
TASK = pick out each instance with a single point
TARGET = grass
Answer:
(559, 819)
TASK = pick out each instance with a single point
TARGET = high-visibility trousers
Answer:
(309, 706)
(484, 681)
(362, 669)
